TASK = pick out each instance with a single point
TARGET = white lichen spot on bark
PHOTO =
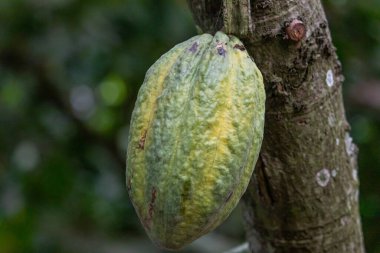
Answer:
(331, 119)
(349, 203)
(350, 148)
(323, 177)
(354, 196)
(329, 78)
(355, 174)
(344, 220)
(333, 173)
(337, 141)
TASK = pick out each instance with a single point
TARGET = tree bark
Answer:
(303, 195)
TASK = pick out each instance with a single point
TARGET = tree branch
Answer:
(303, 196)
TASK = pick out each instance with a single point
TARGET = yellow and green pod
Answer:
(194, 139)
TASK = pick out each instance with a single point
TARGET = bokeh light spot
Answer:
(82, 101)
(26, 156)
(113, 90)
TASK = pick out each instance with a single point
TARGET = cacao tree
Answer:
(303, 195)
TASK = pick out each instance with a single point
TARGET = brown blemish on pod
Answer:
(240, 47)
(229, 196)
(151, 204)
(148, 220)
(142, 141)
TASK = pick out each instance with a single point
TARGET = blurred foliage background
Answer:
(69, 75)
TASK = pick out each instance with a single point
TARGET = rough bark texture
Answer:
(303, 196)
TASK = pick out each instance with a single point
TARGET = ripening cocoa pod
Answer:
(195, 136)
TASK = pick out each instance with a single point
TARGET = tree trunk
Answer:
(303, 195)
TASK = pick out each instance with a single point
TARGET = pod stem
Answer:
(237, 18)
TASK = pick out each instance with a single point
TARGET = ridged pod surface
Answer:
(195, 136)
